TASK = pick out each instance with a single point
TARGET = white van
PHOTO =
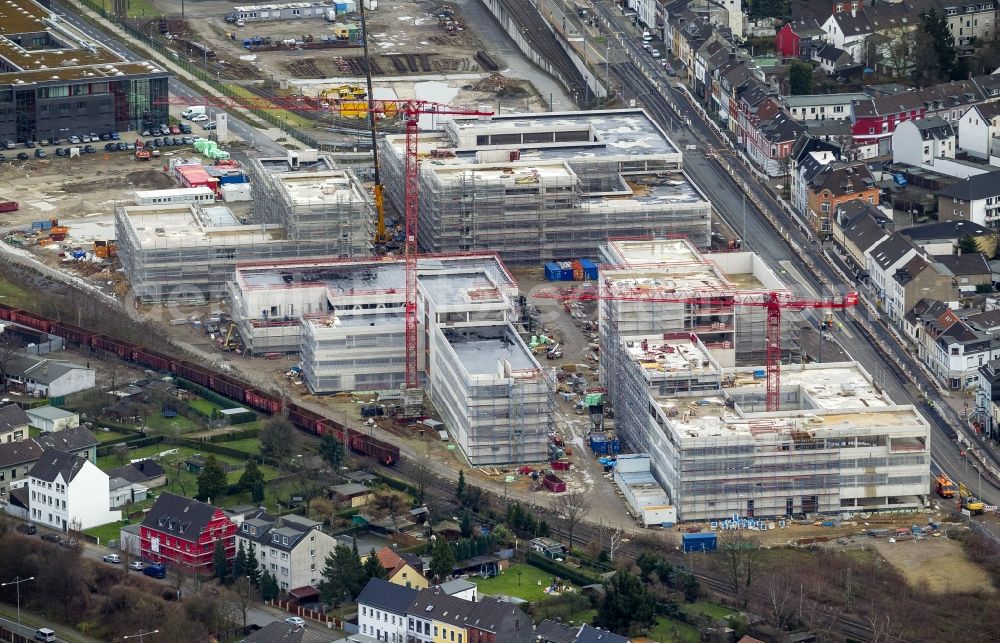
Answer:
(45, 634)
(646, 36)
(194, 110)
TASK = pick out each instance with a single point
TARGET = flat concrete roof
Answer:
(70, 54)
(480, 350)
(159, 226)
(460, 289)
(837, 386)
(670, 356)
(320, 188)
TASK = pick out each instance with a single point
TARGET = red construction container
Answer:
(561, 465)
(554, 483)
(9, 206)
(194, 176)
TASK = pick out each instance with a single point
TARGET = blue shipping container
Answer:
(589, 269)
(553, 272)
(700, 542)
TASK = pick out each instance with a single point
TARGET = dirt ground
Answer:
(939, 562)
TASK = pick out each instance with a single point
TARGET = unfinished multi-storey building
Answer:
(541, 187)
(837, 444)
(189, 251)
(347, 318)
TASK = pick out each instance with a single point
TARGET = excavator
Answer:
(973, 505)
(383, 237)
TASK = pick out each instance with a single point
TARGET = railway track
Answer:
(533, 29)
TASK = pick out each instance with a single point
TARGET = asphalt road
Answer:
(253, 137)
(643, 79)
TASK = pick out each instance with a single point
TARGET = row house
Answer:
(182, 532)
(821, 107)
(727, 82)
(834, 185)
(971, 21)
(857, 228)
(769, 135)
(18, 457)
(975, 199)
(69, 492)
(921, 142)
(960, 351)
(979, 131)
(795, 37)
(875, 119)
(924, 321)
(292, 548)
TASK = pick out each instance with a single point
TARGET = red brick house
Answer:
(786, 42)
(182, 532)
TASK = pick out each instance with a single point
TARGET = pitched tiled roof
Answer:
(12, 453)
(183, 517)
(940, 230)
(138, 471)
(12, 417)
(969, 264)
(53, 463)
(934, 128)
(908, 271)
(588, 634)
(73, 439)
(973, 188)
(891, 250)
(281, 533)
(843, 178)
(386, 596)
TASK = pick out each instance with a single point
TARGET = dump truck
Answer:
(945, 487)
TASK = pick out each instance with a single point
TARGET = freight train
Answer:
(227, 385)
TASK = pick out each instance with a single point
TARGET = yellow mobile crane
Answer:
(382, 236)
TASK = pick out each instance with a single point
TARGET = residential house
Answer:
(382, 608)
(857, 228)
(971, 21)
(351, 494)
(923, 315)
(292, 548)
(79, 441)
(147, 473)
(831, 59)
(794, 36)
(978, 130)
(917, 279)
(182, 532)
(968, 270)
(960, 351)
(987, 412)
(69, 492)
(432, 616)
(403, 569)
(832, 186)
(13, 423)
(551, 632)
(588, 634)
(884, 259)
(768, 132)
(976, 199)
(282, 632)
(491, 620)
(848, 27)
(17, 458)
(821, 107)
(50, 418)
(47, 377)
(942, 237)
(125, 492)
(808, 156)
(923, 141)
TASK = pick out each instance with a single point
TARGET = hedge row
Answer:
(572, 574)
(107, 448)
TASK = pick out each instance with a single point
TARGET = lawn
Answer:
(177, 424)
(12, 294)
(110, 531)
(670, 630)
(106, 436)
(519, 580)
(206, 407)
(710, 610)
(249, 445)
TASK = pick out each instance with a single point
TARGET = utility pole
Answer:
(17, 584)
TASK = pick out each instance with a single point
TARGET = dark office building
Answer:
(55, 81)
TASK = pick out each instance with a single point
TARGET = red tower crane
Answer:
(411, 111)
(772, 301)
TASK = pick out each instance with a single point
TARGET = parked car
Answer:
(9, 144)
(120, 146)
(3, 157)
(115, 136)
(112, 558)
(85, 138)
(61, 151)
(156, 570)
(199, 118)
(185, 128)
(105, 137)
(137, 565)
(55, 141)
(22, 156)
(146, 132)
(29, 143)
(208, 126)
(74, 140)
(295, 621)
(44, 142)
(188, 140)
(110, 147)
(175, 129)
(45, 634)
(130, 146)
(40, 153)
(50, 537)
(27, 528)
(68, 543)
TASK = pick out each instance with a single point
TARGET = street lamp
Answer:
(140, 635)
(17, 583)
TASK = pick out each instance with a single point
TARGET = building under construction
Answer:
(541, 187)
(347, 318)
(188, 251)
(837, 444)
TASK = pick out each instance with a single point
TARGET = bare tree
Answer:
(388, 504)
(898, 50)
(741, 556)
(244, 597)
(423, 473)
(571, 507)
(9, 347)
(778, 601)
(616, 538)
(126, 543)
(120, 451)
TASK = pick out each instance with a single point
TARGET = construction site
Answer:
(544, 187)
(347, 319)
(688, 388)
(188, 251)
